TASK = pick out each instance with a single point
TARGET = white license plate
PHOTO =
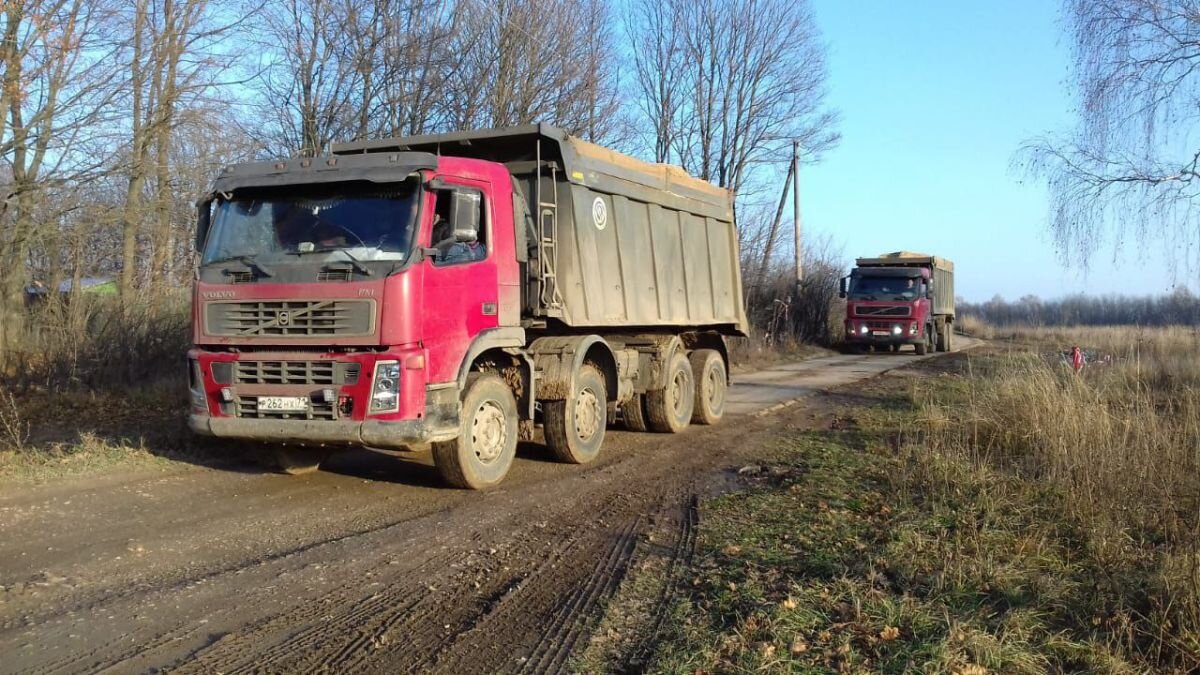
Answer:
(880, 333)
(283, 403)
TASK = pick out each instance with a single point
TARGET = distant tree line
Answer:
(116, 114)
(1180, 308)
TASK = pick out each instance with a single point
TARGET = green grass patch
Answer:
(851, 551)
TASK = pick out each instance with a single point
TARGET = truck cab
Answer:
(887, 307)
(897, 299)
(336, 298)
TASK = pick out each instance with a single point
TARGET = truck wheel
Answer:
(298, 460)
(574, 427)
(487, 436)
(923, 345)
(949, 337)
(943, 337)
(670, 408)
(708, 372)
(633, 412)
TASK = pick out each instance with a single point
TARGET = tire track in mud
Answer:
(518, 606)
(679, 563)
(411, 624)
(571, 621)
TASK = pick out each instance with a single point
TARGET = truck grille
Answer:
(899, 310)
(317, 410)
(295, 372)
(291, 318)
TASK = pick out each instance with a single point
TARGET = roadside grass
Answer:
(93, 384)
(1010, 516)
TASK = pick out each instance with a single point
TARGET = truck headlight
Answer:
(385, 394)
(896, 330)
(912, 328)
(863, 329)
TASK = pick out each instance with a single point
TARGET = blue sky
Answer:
(935, 97)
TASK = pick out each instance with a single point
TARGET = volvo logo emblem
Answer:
(283, 318)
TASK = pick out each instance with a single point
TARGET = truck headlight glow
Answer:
(863, 329)
(896, 330)
(385, 394)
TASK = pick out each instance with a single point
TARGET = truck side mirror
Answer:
(464, 215)
(842, 290)
(203, 220)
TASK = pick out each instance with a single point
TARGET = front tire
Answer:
(670, 408)
(708, 371)
(574, 427)
(483, 452)
(923, 346)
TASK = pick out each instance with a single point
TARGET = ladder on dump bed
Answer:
(547, 211)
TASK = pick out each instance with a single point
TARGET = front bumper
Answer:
(393, 435)
(869, 339)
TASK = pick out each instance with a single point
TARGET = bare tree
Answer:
(1130, 166)
(306, 84)
(175, 58)
(525, 61)
(726, 85)
(57, 79)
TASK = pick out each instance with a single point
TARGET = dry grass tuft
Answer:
(1118, 445)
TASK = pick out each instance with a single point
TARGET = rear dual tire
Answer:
(711, 382)
(669, 409)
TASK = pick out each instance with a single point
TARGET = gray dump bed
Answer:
(622, 243)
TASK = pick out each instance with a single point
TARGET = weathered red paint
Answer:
(425, 310)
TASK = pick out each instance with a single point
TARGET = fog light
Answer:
(912, 329)
(863, 329)
(896, 329)
(227, 394)
(385, 394)
(328, 395)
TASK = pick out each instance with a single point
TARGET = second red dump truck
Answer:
(900, 298)
(447, 292)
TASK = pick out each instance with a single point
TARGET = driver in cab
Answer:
(451, 248)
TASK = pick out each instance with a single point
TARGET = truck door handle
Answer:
(489, 309)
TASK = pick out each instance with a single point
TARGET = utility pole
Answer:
(796, 208)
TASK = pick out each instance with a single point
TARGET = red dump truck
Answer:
(448, 292)
(900, 298)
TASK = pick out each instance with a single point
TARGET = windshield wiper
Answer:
(354, 262)
(248, 260)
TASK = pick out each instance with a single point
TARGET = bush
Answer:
(94, 343)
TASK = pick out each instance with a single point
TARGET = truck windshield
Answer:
(367, 221)
(884, 288)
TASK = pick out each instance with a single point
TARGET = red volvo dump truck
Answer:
(447, 292)
(900, 298)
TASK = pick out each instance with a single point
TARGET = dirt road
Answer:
(368, 565)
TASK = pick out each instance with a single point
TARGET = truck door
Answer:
(460, 281)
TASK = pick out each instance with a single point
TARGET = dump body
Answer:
(618, 242)
(900, 298)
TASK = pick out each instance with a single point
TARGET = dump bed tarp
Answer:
(907, 259)
(636, 244)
